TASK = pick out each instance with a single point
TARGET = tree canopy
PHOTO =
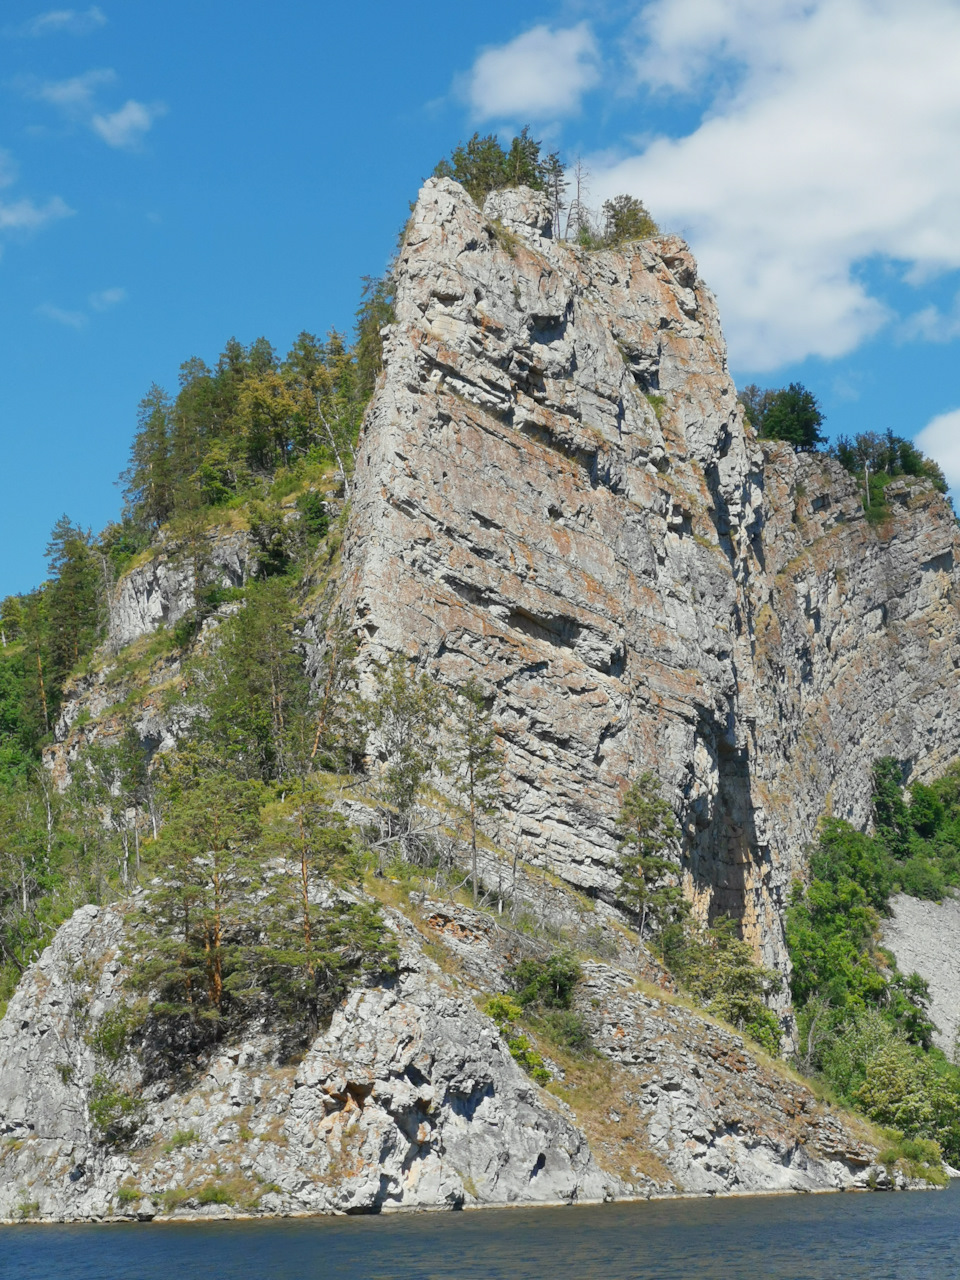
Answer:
(791, 413)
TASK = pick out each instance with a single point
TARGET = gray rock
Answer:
(557, 493)
(925, 938)
(160, 591)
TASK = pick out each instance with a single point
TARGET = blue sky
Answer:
(173, 175)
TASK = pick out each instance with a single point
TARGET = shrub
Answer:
(717, 968)
(505, 1011)
(182, 1138)
(568, 1030)
(549, 982)
(116, 1113)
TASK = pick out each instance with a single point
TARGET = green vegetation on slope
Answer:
(864, 1026)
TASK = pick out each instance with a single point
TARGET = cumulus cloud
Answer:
(71, 21)
(72, 319)
(940, 439)
(541, 74)
(126, 128)
(828, 141)
(106, 298)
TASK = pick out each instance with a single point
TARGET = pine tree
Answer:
(404, 718)
(194, 920)
(476, 760)
(149, 481)
(649, 882)
(72, 597)
(253, 686)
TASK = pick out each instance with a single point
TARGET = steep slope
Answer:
(556, 493)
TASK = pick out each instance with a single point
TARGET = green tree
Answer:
(793, 415)
(718, 969)
(72, 597)
(626, 218)
(476, 761)
(404, 718)
(314, 942)
(756, 401)
(481, 165)
(650, 883)
(253, 687)
(194, 933)
(149, 481)
(890, 811)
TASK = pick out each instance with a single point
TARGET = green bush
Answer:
(568, 1030)
(549, 982)
(116, 1113)
(505, 1012)
(717, 968)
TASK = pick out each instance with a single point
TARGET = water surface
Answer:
(823, 1237)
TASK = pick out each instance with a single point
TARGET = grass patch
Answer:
(507, 241)
(127, 1194)
(598, 1092)
(657, 403)
(182, 1138)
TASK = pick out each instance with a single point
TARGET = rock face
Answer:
(556, 493)
(160, 591)
(409, 1099)
(925, 938)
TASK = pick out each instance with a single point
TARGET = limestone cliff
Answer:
(557, 493)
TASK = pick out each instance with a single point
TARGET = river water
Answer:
(823, 1237)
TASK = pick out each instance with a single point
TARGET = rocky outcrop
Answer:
(410, 1098)
(925, 938)
(556, 493)
(160, 591)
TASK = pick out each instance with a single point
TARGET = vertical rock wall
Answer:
(557, 494)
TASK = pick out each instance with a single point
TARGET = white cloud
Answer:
(829, 140)
(541, 74)
(126, 127)
(72, 319)
(932, 325)
(25, 215)
(55, 20)
(8, 169)
(107, 298)
(940, 438)
(76, 95)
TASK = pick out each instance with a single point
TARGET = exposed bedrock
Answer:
(556, 492)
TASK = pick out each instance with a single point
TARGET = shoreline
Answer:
(194, 1217)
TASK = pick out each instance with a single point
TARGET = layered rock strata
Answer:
(556, 493)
